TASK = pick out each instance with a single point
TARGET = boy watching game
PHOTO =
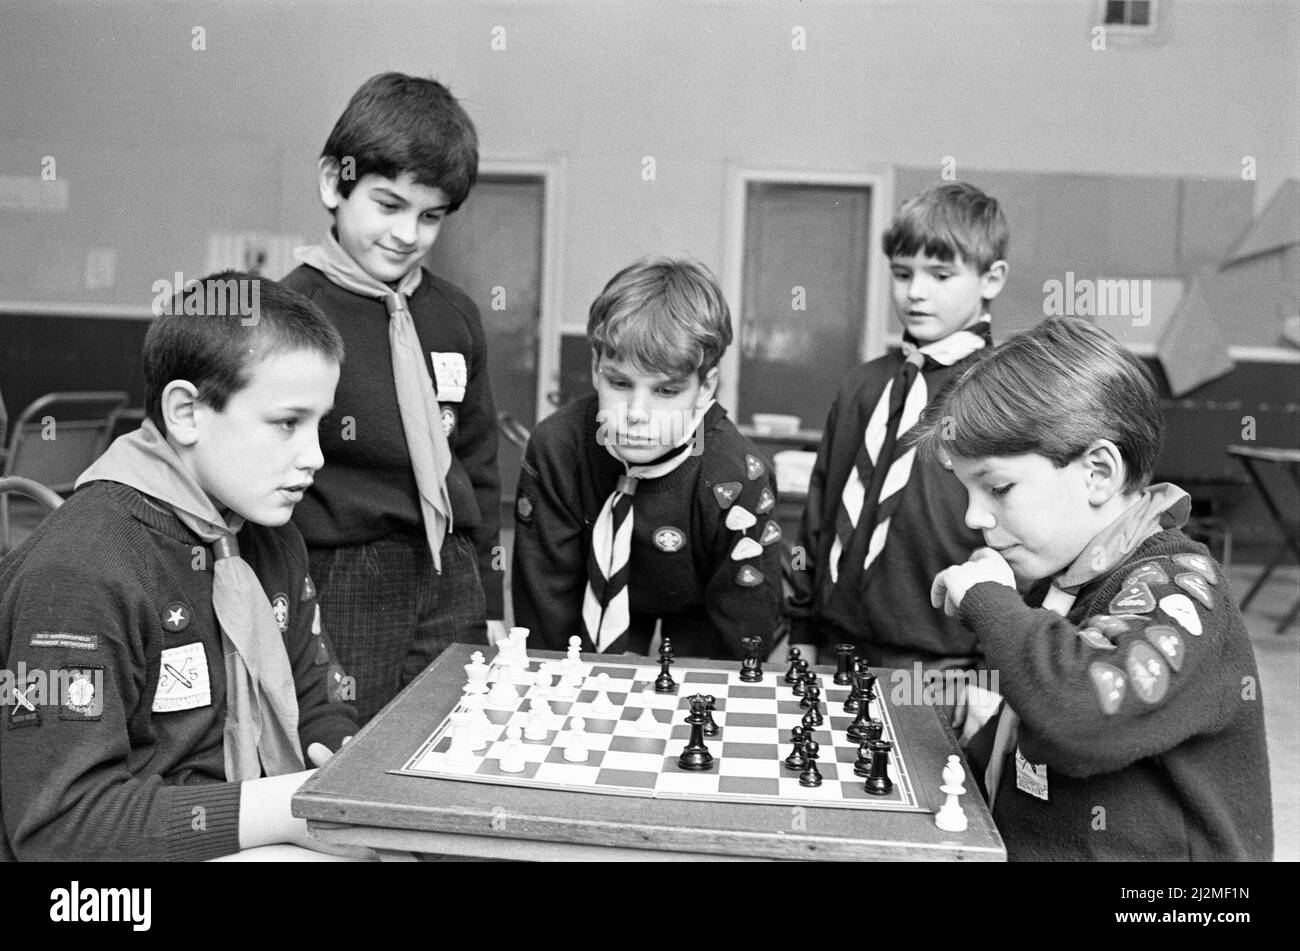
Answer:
(881, 521)
(177, 678)
(642, 503)
(1132, 726)
(403, 523)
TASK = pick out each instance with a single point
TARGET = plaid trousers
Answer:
(389, 615)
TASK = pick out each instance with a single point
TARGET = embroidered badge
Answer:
(450, 375)
(1108, 624)
(76, 642)
(1109, 683)
(322, 652)
(669, 539)
(524, 509)
(1148, 571)
(771, 533)
(308, 589)
(448, 421)
(766, 501)
(1134, 599)
(1031, 777)
(26, 709)
(334, 684)
(280, 608)
(1197, 586)
(1094, 638)
(82, 699)
(315, 622)
(740, 518)
(1181, 609)
(1166, 639)
(748, 577)
(753, 467)
(183, 680)
(1147, 673)
(726, 493)
(176, 617)
(1199, 564)
(746, 548)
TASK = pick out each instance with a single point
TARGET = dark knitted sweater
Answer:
(366, 489)
(1152, 734)
(681, 567)
(890, 619)
(112, 586)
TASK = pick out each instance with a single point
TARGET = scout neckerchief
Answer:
(421, 417)
(605, 607)
(1161, 506)
(261, 733)
(880, 473)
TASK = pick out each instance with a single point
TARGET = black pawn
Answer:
(809, 722)
(879, 783)
(809, 685)
(710, 725)
(797, 760)
(815, 708)
(810, 776)
(843, 664)
(751, 668)
(801, 677)
(696, 755)
(862, 765)
(664, 683)
(793, 657)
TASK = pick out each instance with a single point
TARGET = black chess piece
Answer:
(861, 727)
(797, 759)
(854, 700)
(809, 681)
(801, 677)
(751, 668)
(793, 656)
(711, 727)
(814, 698)
(844, 664)
(879, 783)
(809, 722)
(696, 755)
(862, 765)
(810, 775)
(664, 683)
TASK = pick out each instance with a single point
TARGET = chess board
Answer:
(755, 721)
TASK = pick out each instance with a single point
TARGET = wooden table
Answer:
(355, 800)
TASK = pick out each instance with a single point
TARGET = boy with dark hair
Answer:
(879, 522)
(402, 526)
(1132, 726)
(173, 675)
(642, 505)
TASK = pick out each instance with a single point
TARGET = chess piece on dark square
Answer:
(879, 783)
(696, 755)
(810, 775)
(797, 760)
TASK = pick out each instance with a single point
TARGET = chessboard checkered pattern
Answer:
(755, 721)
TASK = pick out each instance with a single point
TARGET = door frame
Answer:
(879, 178)
(553, 171)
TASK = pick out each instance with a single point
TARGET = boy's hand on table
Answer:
(951, 584)
(496, 632)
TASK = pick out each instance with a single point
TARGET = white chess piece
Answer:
(574, 653)
(519, 648)
(512, 757)
(478, 723)
(564, 690)
(646, 722)
(460, 753)
(575, 751)
(477, 673)
(539, 719)
(505, 653)
(951, 817)
(602, 706)
(503, 693)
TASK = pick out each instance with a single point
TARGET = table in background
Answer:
(1252, 457)
(355, 800)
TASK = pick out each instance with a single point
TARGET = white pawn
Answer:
(539, 720)
(478, 723)
(574, 652)
(646, 722)
(951, 817)
(512, 757)
(575, 751)
(503, 693)
(602, 706)
(461, 752)
(477, 673)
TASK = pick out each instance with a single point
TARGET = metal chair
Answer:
(515, 432)
(55, 439)
(1262, 463)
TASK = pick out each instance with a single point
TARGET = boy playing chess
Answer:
(880, 521)
(642, 503)
(176, 677)
(1132, 726)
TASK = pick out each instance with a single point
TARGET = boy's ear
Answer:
(595, 366)
(708, 388)
(993, 280)
(1105, 471)
(180, 400)
(327, 179)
